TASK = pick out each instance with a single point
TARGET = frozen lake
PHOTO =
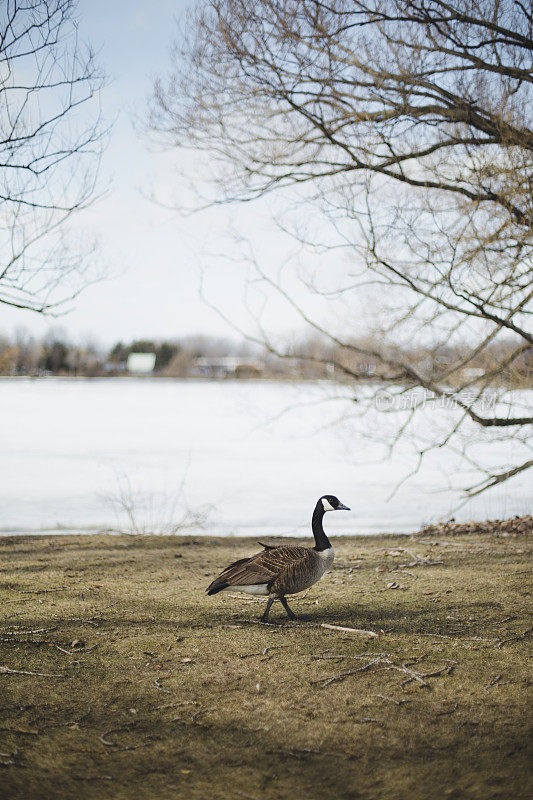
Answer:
(250, 458)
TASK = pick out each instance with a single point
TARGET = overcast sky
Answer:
(153, 258)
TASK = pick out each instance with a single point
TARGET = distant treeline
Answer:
(204, 356)
(56, 354)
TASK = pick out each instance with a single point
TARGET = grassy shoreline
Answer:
(120, 678)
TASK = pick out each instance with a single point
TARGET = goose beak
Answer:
(342, 507)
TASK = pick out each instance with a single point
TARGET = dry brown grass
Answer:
(153, 690)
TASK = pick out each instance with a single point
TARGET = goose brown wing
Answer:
(263, 567)
(294, 576)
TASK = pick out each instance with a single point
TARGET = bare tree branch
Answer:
(51, 135)
(402, 130)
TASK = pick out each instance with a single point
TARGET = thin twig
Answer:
(78, 650)
(420, 676)
(391, 699)
(70, 722)
(447, 711)
(265, 651)
(44, 591)
(297, 752)
(342, 675)
(338, 656)
(418, 560)
(103, 735)
(89, 620)
(435, 541)
(23, 731)
(175, 705)
(514, 638)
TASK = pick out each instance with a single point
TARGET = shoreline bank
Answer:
(512, 526)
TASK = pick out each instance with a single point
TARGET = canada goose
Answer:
(288, 569)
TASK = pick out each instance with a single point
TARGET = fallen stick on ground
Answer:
(26, 632)
(8, 671)
(418, 560)
(411, 673)
(44, 591)
(439, 542)
(348, 630)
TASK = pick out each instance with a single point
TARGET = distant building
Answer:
(141, 363)
(227, 367)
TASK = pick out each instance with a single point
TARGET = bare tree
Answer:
(50, 141)
(404, 129)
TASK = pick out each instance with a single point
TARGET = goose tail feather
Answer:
(218, 585)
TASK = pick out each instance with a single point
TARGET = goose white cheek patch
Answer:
(327, 505)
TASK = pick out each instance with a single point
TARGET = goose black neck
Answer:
(321, 540)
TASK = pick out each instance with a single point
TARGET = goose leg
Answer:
(264, 618)
(289, 611)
